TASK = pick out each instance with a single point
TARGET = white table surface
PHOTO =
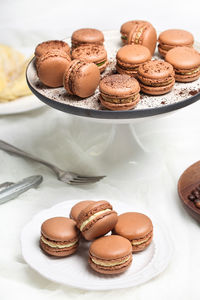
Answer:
(59, 138)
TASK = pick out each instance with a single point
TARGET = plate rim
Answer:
(95, 288)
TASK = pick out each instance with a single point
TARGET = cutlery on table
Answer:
(11, 190)
(65, 176)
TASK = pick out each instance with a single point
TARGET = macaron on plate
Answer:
(181, 95)
(145, 264)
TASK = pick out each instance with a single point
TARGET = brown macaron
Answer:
(186, 63)
(87, 36)
(92, 53)
(156, 77)
(127, 27)
(47, 46)
(59, 236)
(51, 67)
(137, 228)
(81, 78)
(130, 57)
(143, 34)
(171, 38)
(110, 254)
(119, 92)
(76, 209)
(96, 219)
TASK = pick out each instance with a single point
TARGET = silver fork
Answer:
(65, 176)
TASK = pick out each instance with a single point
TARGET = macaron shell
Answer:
(87, 80)
(100, 226)
(51, 67)
(133, 54)
(110, 270)
(149, 39)
(183, 58)
(59, 229)
(133, 225)
(91, 53)
(110, 247)
(87, 36)
(58, 252)
(119, 107)
(176, 37)
(76, 209)
(47, 46)
(156, 69)
(127, 26)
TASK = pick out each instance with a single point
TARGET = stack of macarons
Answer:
(78, 68)
(90, 220)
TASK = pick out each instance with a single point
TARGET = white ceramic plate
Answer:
(75, 271)
(20, 105)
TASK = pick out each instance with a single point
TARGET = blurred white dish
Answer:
(20, 105)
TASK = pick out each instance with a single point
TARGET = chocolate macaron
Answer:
(186, 63)
(156, 77)
(119, 92)
(92, 53)
(59, 236)
(127, 27)
(47, 46)
(137, 228)
(110, 254)
(81, 78)
(96, 219)
(87, 36)
(130, 57)
(171, 38)
(51, 67)
(76, 209)
(144, 34)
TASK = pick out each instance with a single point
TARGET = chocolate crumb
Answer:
(194, 92)
(163, 102)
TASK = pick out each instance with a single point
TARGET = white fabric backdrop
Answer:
(61, 139)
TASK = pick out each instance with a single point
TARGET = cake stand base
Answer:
(119, 150)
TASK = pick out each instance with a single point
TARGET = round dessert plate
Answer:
(75, 271)
(182, 94)
(20, 105)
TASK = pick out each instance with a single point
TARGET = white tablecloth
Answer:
(61, 139)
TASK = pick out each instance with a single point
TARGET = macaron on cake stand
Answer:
(123, 146)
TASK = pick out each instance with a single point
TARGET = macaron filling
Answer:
(141, 241)
(119, 100)
(131, 67)
(181, 72)
(57, 245)
(101, 63)
(138, 34)
(108, 263)
(124, 37)
(84, 223)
